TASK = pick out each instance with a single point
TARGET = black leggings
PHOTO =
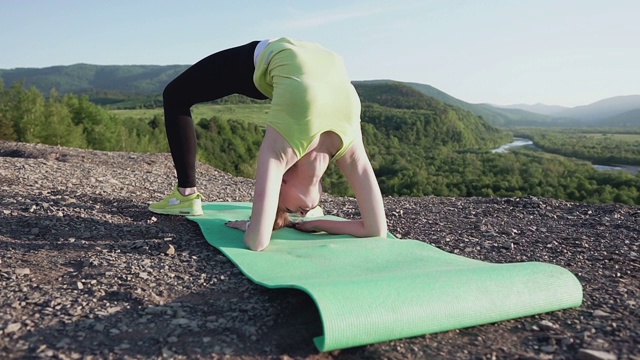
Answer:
(216, 76)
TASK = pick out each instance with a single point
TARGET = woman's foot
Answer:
(178, 204)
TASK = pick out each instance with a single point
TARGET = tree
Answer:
(58, 127)
(102, 131)
(6, 124)
(26, 109)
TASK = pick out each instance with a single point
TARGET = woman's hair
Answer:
(282, 220)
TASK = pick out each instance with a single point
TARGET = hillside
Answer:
(495, 115)
(629, 119)
(88, 272)
(538, 108)
(417, 145)
(418, 119)
(137, 86)
(141, 85)
(132, 86)
(81, 78)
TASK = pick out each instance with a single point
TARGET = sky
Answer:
(556, 52)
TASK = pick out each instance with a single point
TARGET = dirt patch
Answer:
(88, 272)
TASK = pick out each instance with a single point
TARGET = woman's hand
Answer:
(238, 224)
(306, 226)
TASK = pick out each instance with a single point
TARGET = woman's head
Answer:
(296, 197)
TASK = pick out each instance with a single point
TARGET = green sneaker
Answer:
(176, 204)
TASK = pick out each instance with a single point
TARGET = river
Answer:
(518, 142)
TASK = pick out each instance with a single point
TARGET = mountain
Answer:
(109, 84)
(603, 109)
(619, 111)
(629, 119)
(399, 110)
(129, 86)
(495, 115)
(80, 78)
(538, 108)
(395, 94)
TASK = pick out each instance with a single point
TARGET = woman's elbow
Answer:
(381, 233)
(256, 245)
(380, 230)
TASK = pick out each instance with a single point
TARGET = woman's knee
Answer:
(171, 93)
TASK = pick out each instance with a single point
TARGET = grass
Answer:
(255, 113)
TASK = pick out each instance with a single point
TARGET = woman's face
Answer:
(296, 198)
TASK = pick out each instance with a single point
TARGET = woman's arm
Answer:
(275, 153)
(356, 168)
(350, 227)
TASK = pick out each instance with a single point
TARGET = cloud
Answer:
(327, 18)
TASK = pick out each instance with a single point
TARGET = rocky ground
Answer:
(87, 272)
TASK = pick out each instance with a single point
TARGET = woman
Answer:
(314, 119)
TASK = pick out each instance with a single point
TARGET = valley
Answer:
(421, 141)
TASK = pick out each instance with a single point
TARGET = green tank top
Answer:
(310, 94)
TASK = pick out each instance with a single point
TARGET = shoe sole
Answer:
(180, 212)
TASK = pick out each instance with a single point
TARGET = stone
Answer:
(113, 309)
(548, 348)
(155, 310)
(586, 354)
(168, 249)
(63, 343)
(507, 245)
(546, 325)
(180, 321)
(137, 244)
(600, 313)
(166, 353)
(23, 271)
(13, 327)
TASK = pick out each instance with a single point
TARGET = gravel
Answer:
(87, 272)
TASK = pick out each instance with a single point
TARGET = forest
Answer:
(418, 145)
(601, 146)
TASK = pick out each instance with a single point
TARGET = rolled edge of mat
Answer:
(564, 292)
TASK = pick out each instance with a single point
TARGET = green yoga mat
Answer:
(370, 290)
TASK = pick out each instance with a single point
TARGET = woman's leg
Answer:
(223, 73)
